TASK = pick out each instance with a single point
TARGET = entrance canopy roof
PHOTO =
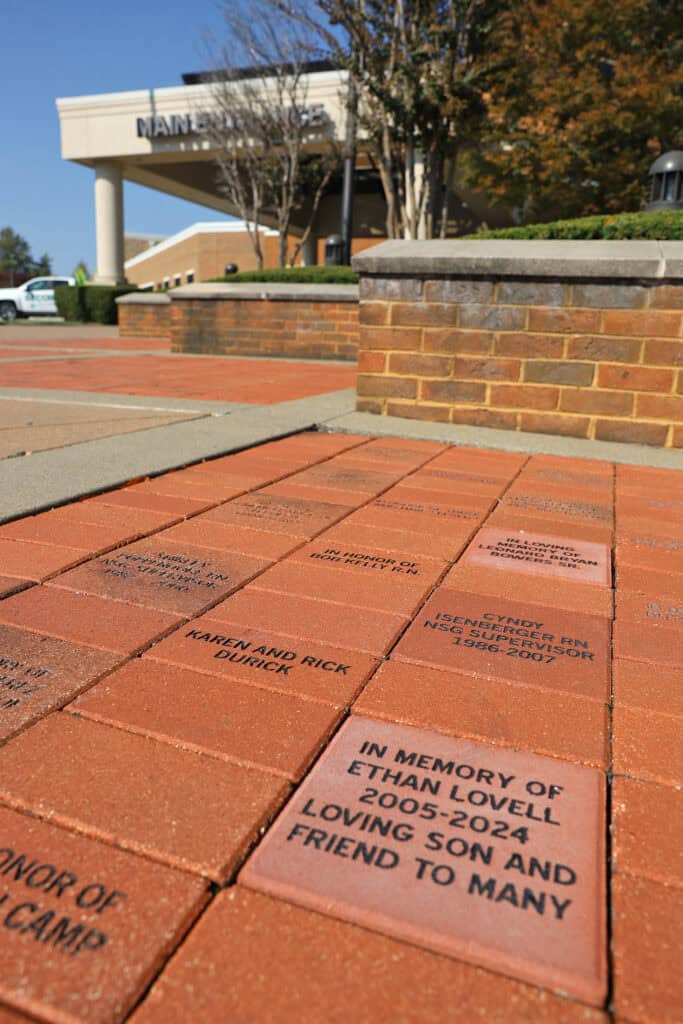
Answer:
(157, 136)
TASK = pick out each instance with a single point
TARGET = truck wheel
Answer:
(8, 311)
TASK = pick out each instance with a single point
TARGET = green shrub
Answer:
(90, 302)
(661, 224)
(100, 301)
(69, 302)
(294, 275)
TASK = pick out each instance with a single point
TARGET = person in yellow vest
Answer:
(81, 274)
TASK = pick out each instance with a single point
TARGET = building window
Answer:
(166, 283)
(176, 280)
(189, 277)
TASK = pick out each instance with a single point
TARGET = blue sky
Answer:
(52, 48)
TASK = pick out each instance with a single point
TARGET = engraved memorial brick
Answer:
(277, 514)
(84, 928)
(207, 531)
(555, 507)
(344, 478)
(266, 659)
(39, 673)
(378, 536)
(161, 574)
(456, 481)
(442, 520)
(503, 639)
(491, 856)
(579, 529)
(540, 554)
(360, 579)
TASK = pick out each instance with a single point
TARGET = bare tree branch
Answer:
(265, 125)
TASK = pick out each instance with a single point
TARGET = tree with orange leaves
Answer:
(586, 94)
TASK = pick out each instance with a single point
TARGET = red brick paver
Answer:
(85, 927)
(178, 662)
(261, 381)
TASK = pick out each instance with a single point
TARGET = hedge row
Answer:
(662, 224)
(90, 302)
(294, 275)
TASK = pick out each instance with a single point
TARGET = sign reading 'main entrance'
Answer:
(199, 123)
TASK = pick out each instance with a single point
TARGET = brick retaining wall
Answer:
(307, 321)
(144, 315)
(580, 338)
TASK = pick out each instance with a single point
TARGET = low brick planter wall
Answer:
(575, 338)
(306, 321)
(144, 315)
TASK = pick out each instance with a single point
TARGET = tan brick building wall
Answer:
(204, 255)
(133, 245)
(574, 356)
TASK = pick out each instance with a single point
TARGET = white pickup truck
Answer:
(33, 298)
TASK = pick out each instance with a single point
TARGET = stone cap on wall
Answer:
(513, 258)
(143, 299)
(257, 291)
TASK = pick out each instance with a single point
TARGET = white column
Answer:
(109, 223)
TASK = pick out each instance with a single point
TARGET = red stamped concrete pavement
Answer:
(378, 584)
(165, 716)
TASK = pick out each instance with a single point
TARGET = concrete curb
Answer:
(505, 440)
(115, 401)
(41, 481)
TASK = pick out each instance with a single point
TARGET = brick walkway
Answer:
(336, 729)
(110, 369)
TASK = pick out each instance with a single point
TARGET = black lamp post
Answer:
(666, 182)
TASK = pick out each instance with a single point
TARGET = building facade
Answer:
(202, 253)
(158, 138)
